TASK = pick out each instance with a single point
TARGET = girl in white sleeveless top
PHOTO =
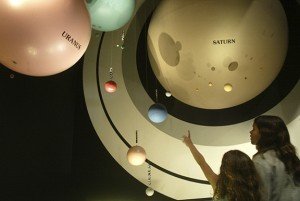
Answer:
(276, 160)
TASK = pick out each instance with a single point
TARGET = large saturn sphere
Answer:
(41, 38)
(217, 54)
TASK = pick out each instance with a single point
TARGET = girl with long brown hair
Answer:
(238, 179)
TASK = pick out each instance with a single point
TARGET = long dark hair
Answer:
(297, 176)
(238, 179)
(274, 135)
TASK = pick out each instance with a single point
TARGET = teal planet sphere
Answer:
(110, 15)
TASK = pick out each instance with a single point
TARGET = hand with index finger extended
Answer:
(187, 139)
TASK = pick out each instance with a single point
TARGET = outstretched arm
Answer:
(208, 172)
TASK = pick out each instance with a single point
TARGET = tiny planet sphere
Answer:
(157, 113)
(149, 191)
(136, 155)
(110, 86)
(228, 87)
(168, 94)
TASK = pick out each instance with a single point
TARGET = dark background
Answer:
(49, 150)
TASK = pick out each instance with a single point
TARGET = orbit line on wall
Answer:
(123, 139)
